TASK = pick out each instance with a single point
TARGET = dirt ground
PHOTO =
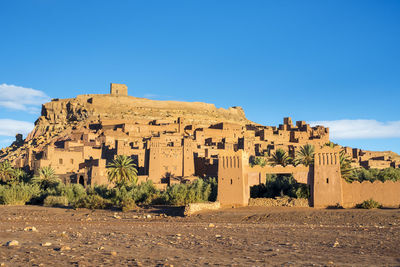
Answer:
(252, 236)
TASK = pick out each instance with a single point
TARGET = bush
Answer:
(369, 204)
(55, 201)
(18, 194)
(372, 175)
(261, 161)
(74, 192)
(92, 202)
(280, 185)
(199, 191)
(128, 205)
(145, 193)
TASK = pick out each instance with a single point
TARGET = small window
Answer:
(231, 181)
(327, 180)
(72, 161)
(60, 161)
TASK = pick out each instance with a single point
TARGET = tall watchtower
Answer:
(118, 89)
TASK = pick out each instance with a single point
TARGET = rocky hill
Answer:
(62, 116)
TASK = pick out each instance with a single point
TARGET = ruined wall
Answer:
(118, 89)
(387, 193)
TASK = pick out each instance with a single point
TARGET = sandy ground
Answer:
(231, 237)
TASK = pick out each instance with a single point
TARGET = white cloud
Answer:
(6, 142)
(21, 98)
(361, 129)
(10, 127)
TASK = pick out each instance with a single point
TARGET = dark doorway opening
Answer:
(81, 180)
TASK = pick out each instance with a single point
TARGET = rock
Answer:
(218, 236)
(113, 253)
(211, 225)
(12, 243)
(64, 248)
(336, 244)
(116, 216)
(46, 244)
(30, 229)
(148, 216)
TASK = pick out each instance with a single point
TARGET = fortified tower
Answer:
(327, 184)
(118, 89)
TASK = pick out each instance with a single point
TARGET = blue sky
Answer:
(336, 62)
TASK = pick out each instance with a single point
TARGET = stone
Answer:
(30, 229)
(113, 253)
(12, 243)
(46, 244)
(64, 248)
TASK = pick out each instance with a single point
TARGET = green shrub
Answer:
(92, 202)
(261, 161)
(280, 185)
(369, 204)
(128, 205)
(18, 194)
(74, 192)
(199, 191)
(55, 201)
(144, 193)
(372, 175)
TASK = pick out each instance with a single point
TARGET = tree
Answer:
(19, 174)
(6, 172)
(305, 155)
(46, 177)
(261, 161)
(122, 171)
(279, 157)
(345, 166)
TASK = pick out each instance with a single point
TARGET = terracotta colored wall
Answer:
(387, 193)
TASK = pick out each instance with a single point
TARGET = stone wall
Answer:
(193, 208)
(279, 202)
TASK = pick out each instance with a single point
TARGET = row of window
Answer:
(61, 161)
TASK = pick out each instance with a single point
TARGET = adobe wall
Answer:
(387, 193)
(300, 173)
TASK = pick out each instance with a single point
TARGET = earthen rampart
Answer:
(386, 193)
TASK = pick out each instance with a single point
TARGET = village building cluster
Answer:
(172, 149)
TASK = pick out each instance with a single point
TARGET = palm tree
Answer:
(345, 166)
(20, 174)
(122, 171)
(305, 155)
(6, 172)
(46, 176)
(279, 157)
